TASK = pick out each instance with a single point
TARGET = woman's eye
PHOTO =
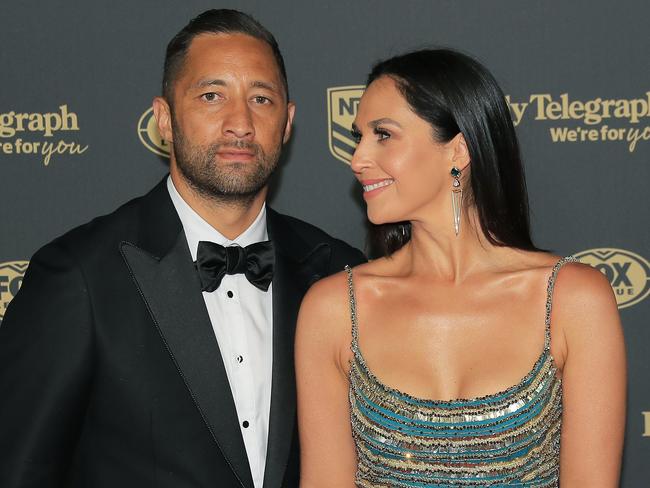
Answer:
(356, 136)
(382, 134)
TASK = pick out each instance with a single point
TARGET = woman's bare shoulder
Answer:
(324, 326)
(584, 305)
(327, 290)
(378, 268)
(328, 300)
(574, 284)
(579, 283)
(325, 308)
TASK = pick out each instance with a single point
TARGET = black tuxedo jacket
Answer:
(110, 373)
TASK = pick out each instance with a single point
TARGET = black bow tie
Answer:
(214, 261)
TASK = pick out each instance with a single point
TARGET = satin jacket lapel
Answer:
(297, 266)
(171, 290)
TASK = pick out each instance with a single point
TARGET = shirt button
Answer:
(230, 294)
(245, 424)
(240, 359)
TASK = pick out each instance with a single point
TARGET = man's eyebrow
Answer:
(264, 84)
(218, 82)
(373, 124)
(208, 82)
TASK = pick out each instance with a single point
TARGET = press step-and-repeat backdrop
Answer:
(77, 136)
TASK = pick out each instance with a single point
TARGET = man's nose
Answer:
(238, 121)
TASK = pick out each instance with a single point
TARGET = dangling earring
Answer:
(456, 198)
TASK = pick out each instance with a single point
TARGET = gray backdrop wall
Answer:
(77, 79)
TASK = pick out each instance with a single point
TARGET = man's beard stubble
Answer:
(233, 183)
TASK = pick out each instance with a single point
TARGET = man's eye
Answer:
(210, 97)
(262, 100)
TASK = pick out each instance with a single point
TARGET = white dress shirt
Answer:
(242, 320)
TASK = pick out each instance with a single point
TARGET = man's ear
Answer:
(291, 111)
(163, 115)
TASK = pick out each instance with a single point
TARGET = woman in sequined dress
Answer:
(464, 356)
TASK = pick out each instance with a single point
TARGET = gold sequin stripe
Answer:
(439, 447)
(500, 441)
(522, 403)
(374, 389)
(379, 474)
(460, 482)
(430, 430)
(551, 446)
(549, 417)
(363, 483)
(552, 458)
(387, 478)
(439, 451)
(425, 406)
(506, 471)
(511, 467)
(460, 455)
(524, 407)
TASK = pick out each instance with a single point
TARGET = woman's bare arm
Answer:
(323, 337)
(594, 379)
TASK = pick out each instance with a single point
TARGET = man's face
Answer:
(229, 116)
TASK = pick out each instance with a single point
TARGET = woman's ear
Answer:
(460, 157)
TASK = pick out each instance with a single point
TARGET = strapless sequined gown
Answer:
(510, 438)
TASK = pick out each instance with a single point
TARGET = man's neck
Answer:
(229, 219)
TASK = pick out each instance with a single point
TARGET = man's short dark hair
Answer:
(215, 21)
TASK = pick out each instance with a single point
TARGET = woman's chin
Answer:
(380, 220)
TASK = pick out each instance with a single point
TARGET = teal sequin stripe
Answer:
(510, 438)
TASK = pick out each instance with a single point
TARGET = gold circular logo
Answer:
(149, 135)
(11, 277)
(628, 273)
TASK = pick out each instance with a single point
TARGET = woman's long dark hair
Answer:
(455, 93)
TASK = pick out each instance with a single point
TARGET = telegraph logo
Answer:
(11, 277)
(623, 120)
(342, 103)
(37, 134)
(628, 273)
(149, 136)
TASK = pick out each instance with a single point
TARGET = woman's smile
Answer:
(374, 187)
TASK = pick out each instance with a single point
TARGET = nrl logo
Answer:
(628, 273)
(149, 136)
(342, 103)
(11, 277)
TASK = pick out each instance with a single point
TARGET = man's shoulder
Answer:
(313, 236)
(107, 230)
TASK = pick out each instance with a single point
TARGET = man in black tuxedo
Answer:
(140, 354)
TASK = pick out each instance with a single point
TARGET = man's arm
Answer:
(45, 371)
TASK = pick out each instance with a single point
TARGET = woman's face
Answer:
(405, 174)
